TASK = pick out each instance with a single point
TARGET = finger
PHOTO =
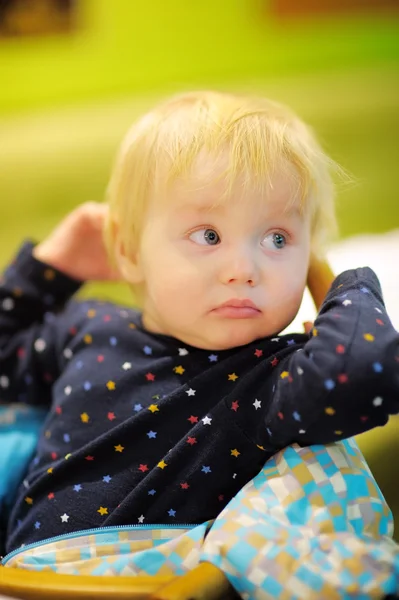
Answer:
(308, 326)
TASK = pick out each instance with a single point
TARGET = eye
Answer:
(276, 240)
(209, 235)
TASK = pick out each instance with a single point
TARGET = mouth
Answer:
(238, 303)
(237, 309)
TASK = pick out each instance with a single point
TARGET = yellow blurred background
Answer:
(74, 75)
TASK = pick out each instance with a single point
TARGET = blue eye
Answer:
(209, 235)
(278, 240)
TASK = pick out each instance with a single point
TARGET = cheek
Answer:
(290, 282)
(298, 280)
(171, 277)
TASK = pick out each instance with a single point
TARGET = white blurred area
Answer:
(378, 251)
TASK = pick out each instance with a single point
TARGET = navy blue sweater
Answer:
(143, 428)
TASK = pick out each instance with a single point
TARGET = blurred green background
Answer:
(67, 98)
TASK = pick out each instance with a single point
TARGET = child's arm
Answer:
(345, 380)
(34, 289)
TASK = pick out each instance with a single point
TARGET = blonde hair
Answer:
(261, 137)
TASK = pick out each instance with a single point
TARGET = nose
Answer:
(239, 267)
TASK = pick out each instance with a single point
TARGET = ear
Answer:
(129, 266)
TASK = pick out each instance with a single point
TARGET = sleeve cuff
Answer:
(46, 279)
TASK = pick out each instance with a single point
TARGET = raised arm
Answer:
(29, 293)
(345, 379)
(33, 292)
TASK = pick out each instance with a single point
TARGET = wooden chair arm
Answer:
(205, 582)
(320, 278)
(34, 585)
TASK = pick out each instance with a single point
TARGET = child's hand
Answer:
(307, 327)
(76, 246)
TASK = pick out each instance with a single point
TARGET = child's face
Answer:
(192, 260)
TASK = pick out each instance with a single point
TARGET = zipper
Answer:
(82, 532)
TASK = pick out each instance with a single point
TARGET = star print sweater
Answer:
(142, 428)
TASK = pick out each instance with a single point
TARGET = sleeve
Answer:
(32, 327)
(345, 379)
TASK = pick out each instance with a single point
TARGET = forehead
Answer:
(212, 185)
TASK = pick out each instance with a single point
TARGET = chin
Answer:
(234, 340)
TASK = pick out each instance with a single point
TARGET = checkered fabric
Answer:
(312, 525)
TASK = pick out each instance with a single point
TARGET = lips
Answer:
(237, 308)
(228, 311)
(237, 303)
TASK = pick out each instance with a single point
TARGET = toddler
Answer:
(218, 208)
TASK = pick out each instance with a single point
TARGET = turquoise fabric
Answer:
(312, 524)
(19, 430)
